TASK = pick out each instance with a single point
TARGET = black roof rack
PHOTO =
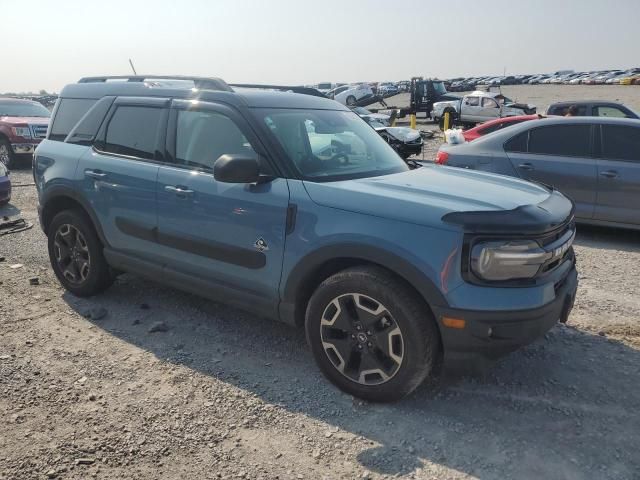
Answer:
(204, 83)
(282, 88)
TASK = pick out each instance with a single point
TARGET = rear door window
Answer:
(621, 143)
(69, 111)
(134, 131)
(562, 140)
(517, 143)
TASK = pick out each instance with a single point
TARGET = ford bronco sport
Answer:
(291, 206)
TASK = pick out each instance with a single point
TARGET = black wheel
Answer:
(370, 335)
(351, 100)
(7, 156)
(76, 255)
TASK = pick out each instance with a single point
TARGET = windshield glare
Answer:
(439, 88)
(329, 145)
(26, 109)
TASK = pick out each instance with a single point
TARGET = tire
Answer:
(351, 100)
(387, 333)
(7, 157)
(75, 251)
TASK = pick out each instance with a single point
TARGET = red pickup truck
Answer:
(23, 125)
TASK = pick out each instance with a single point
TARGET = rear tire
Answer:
(75, 252)
(370, 334)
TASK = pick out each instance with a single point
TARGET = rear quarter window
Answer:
(517, 143)
(68, 112)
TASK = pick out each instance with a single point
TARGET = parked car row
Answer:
(630, 76)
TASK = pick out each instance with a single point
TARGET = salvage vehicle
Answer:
(477, 107)
(495, 125)
(290, 206)
(595, 108)
(5, 185)
(381, 118)
(351, 94)
(23, 124)
(404, 140)
(595, 161)
(423, 94)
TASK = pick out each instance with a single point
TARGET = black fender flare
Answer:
(309, 264)
(56, 192)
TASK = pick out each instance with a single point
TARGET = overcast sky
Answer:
(47, 44)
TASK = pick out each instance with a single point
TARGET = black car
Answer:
(592, 108)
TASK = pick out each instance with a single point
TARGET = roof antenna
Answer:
(132, 67)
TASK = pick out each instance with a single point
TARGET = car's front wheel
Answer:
(7, 158)
(351, 100)
(370, 334)
(75, 252)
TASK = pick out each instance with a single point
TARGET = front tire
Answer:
(351, 100)
(370, 334)
(75, 252)
(7, 157)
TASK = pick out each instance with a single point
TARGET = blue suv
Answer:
(291, 206)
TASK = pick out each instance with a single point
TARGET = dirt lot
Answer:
(167, 385)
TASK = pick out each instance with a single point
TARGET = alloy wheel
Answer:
(361, 339)
(72, 254)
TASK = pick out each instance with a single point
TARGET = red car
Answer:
(497, 124)
(23, 125)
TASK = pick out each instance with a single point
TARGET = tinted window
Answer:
(473, 101)
(69, 111)
(606, 111)
(564, 109)
(86, 129)
(622, 143)
(134, 131)
(567, 140)
(517, 143)
(202, 137)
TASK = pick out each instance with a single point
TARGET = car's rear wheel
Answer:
(7, 157)
(75, 252)
(351, 100)
(370, 334)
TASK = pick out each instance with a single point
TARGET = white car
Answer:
(350, 94)
(479, 107)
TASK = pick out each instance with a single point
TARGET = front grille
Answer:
(39, 131)
(559, 236)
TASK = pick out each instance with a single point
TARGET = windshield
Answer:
(439, 88)
(23, 109)
(329, 145)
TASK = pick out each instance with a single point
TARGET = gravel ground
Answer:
(148, 382)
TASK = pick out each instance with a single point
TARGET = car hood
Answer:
(424, 195)
(404, 134)
(23, 120)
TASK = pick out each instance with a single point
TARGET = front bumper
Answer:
(488, 335)
(23, 148)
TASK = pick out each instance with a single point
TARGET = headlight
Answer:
(498, 260)
(21, 132)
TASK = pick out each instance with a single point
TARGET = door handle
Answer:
(96, 174)
(526, 166)
(609, 174)
(179, 190)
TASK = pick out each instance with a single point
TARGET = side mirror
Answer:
(237, 168)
